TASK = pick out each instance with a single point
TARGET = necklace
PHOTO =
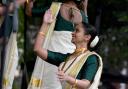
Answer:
(77, 52)
(71, 9)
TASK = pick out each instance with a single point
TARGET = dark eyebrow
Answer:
(76, 29)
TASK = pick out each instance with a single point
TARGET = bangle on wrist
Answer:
(42, 33)
(74, 85)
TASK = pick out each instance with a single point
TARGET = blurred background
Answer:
(110, 17)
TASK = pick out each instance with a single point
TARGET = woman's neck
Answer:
(82, 45)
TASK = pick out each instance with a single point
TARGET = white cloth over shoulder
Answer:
(11, 62)
(44, 75)
(61, 42)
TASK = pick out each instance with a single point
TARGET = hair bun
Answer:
(94, 42)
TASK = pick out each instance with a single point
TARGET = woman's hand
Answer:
(48, 18)
(85, 3)
(62, 76)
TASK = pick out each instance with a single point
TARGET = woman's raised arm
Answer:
(41, 52)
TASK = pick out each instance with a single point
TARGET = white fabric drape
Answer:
(11, 62)
(44, 74)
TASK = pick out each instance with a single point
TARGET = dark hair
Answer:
(80, 4)
(90, 30)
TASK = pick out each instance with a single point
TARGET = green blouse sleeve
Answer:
(89, 69)
(56, 58)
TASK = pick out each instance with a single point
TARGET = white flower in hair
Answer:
(94, 42)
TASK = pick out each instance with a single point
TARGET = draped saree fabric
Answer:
(11, 62)
(97, 77)
(44, 74)
(77, 65)
(11, 50)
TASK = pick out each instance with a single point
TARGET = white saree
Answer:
(11, 62)
(44, 74)
(77, 65)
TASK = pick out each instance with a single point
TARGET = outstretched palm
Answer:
(48, 18)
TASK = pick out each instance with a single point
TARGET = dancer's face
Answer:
(79, 36)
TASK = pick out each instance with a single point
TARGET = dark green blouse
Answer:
(87, 71)
(64, 25)
(61, 23)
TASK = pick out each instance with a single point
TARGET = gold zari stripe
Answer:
(54, 8)
(36, 82)
(5, 82)
(77, 68)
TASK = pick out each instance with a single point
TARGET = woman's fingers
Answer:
(48, 18)
(62, 76)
